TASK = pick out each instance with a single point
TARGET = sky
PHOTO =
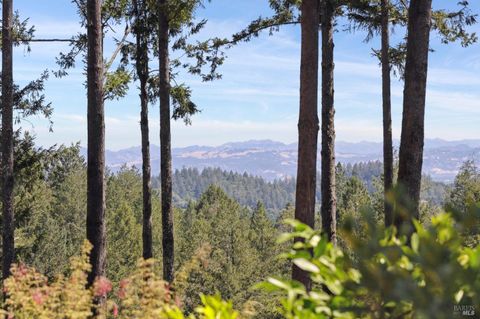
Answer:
(258, 95)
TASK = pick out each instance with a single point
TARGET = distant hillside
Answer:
(274, 160)
(190, 183)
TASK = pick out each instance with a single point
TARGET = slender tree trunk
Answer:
(146, 175)
(96, 141)
(142, 71)
(307, 124)
(387, 115)
(412, 139)
(165, 145)
(7, 139)
(329, 200)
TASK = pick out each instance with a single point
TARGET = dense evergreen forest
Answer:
(190, 183)
(366, 240)
(223, 244)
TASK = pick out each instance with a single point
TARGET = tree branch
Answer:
(46, 40)
(236, 39)
(117, 50)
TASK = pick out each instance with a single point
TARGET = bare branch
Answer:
(46, 40)
(118, 49)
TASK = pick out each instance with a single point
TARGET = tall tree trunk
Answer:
(96, 141)
(329, 200)
(7, 138)
(142, 71)
(165, 144)
(307, 124)
(412, 139)
(387, 114)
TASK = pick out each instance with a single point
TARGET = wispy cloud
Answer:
(456, 102)
(55, 28)
(453, 77)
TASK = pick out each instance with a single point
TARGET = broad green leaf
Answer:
(306, 265)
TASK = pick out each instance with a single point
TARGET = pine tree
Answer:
(220, 250)
(175, 21)
(7, 138)
(165, 141)
(466, 188)
(141, 30)
(262, 234)
(413, 122)
(96, 141)
(329, 200)
(307, 123)
(124, 222)
(387, 111)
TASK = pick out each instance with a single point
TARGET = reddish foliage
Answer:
(102, 287)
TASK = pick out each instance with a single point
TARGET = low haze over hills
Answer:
(274, 160)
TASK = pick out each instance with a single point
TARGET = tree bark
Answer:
(165, 144)
(307, 124)
(412, 139)
(142, 72)
(329, 200)
(96, 141)
(387, 114)
(7, 138)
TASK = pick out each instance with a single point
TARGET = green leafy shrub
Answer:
(430, 275)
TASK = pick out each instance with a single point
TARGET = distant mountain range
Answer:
(275, 160)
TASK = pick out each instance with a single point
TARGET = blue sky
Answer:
(258, 95)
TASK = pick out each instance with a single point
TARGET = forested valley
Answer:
(190, 183)
(376, 239)
(226, 225)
